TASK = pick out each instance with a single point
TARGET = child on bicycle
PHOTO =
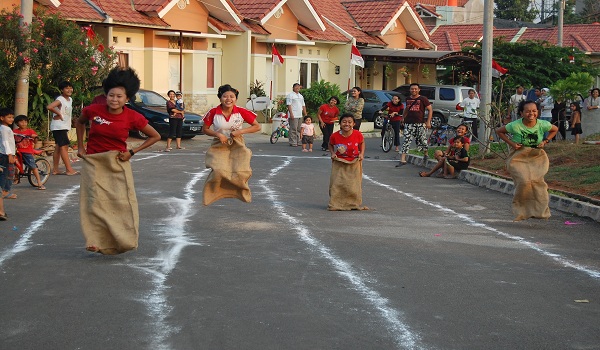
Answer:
(460, 160)
(395, 109)
(24, 139)
(7, 152)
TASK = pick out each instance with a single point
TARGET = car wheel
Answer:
(436, 121)
(139, 134)
(378, 121)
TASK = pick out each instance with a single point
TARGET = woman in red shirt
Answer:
(395, 109)
(328, 115)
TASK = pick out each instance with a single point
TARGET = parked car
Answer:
(445, 99)
(153, 106)
(374, 101)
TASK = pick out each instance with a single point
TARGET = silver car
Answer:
(445, 100)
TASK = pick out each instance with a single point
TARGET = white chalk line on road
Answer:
(24, 241)
(165, 261)
(401, 333)
(472, 222)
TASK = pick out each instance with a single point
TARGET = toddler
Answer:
(179, 102)
(307, 132)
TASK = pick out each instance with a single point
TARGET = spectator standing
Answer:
(513, 103)
(60, 125)
(590, 118)
(328, 114)
(355, 104)
(559, 118)
(546, 105)
(175, 121)
(575, 121)
(415, 124)
(296, 111)
(470, 107)
(7, 152)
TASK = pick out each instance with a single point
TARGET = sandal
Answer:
(3, 217)
(41, 188)
(9, 196)
(60, 173)
(423, 174)
(401, 164)
(71, 174)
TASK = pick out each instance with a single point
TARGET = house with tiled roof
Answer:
(195, 46)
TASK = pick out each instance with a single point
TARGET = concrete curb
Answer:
(564, 204)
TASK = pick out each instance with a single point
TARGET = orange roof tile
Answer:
(75, 10)
(334, 11)
(330, 34)
(255, 9)
(255, 27)
(224, 26)
(119, 10)
(459, 3)
(451, 37)
(150, 5)
(372, 15)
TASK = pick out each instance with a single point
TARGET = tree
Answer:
(515, 10)
(57, 50)
(591, 11)
(568, 89)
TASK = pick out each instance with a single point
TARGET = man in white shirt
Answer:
(546, 104)
(296, 112)
(471, 106)
(513, 103)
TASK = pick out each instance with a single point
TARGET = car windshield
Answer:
(149, 98)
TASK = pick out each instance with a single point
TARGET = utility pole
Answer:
(561, 13)
(22, 88)
(486, 74)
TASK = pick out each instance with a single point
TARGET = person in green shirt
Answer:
(529, 130)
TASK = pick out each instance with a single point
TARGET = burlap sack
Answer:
(230, 164)
(345, 185)
(108, 205)
(527, 166)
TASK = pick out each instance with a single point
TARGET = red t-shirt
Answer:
(347, 148)
(328, 113)
(225, 125)
(109, 132)
(24, 145)
(395, 108)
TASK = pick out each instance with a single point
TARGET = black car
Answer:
(374, 101)
(153, 106)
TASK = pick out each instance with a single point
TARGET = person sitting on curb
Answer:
(441, 157)
(459, 162)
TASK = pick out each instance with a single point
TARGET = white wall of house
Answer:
(236, 62)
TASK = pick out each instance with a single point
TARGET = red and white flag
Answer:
(498, 70)
(356, 58)
(277, 59)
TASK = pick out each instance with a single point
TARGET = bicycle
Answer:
(22, 170)
(282, 130)
(387, 139)
(441, 135)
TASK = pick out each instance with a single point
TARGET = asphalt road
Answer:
(435, 264)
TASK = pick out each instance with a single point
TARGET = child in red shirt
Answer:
(24, 140)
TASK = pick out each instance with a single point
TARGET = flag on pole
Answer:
(356, 58)
(277, 59)
(498, 70)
